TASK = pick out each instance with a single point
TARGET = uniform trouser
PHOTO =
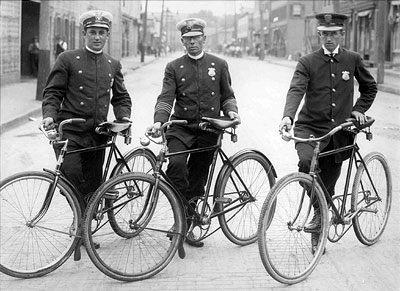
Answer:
(189, 173)
(84, 170)
(329, 169)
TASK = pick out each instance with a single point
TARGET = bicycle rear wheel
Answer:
(140, 160)
(241, 194)
(151, 227)
(372, 197)
(29, 249)
(285, 248)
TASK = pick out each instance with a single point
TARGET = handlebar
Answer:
(56, 135)
(286, 135)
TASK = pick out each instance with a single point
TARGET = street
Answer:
(260, 88)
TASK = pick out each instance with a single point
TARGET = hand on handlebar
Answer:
(361, 118)
(233, 115)
(47, 123)
(154, 130)
(284, 127)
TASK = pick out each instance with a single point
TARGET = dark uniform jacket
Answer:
(199, 88)
(328, 86)
(79, 86)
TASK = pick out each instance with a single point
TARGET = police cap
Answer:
(330, 21)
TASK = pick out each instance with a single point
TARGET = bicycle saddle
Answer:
(220, 123)
(115, 126)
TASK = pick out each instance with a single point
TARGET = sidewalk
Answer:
(18, 100)
(18, 103)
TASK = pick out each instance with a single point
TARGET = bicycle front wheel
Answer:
(239, 195)
(285, 248)
(371, 198)
(34, 247)
(150, 227)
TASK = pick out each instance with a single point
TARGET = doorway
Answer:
(29, 30)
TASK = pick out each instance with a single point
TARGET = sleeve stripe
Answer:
(163, 106)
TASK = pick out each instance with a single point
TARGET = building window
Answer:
(296, 9)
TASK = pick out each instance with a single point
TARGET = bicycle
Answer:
(154, 232)
(284, 243)
(41, 211)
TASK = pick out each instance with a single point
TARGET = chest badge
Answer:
(211, 72)
(345, 75)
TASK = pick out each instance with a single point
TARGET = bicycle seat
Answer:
(221, 123)
(367, 123)
(115, 126)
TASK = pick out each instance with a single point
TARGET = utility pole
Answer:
(380, 42)
(261, 9)
(44, 53)
(143, 42)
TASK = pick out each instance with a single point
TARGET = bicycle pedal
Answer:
(111, 195)
(223, 200)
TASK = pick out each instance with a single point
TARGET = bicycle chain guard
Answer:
(199, 229)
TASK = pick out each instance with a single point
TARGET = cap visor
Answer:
(98, 25)
(192, 33)
(329, 28)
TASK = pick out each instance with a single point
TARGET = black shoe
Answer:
(314, 225)
(314, 243)
(194, 243)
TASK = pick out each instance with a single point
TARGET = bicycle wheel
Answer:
(151, 224)
(239, 196)
(140, 160)
(372, 197)
(32, 249)
(285, 248)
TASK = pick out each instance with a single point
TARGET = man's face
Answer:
(194, 44)
(95, 37)
(331, 39)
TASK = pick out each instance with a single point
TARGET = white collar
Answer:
(92, 51)
(335, 51)
(199, 56)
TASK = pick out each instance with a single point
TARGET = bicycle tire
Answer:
(285, 249)
(153, 241)
(240, 225)
(140, 160)
(369, 226)
(36, 250)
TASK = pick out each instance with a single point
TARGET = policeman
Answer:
(200, 85)
(325, 78)
(79, 86)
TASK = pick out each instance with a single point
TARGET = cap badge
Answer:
(328, 18)
(211, 72)
(345, 75)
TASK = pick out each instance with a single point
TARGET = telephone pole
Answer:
(380, 41)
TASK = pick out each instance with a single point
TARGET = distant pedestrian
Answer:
(61, 46)
(33, 50)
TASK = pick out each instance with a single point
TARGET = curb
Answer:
(19, 120)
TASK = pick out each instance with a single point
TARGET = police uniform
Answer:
(327, 84)
(192, 89)
(79, 86)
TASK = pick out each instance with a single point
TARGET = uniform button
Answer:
(183, 79)
(333, 120)
(109, 61)
(82, 103)
(212, 108)
(334, 90)
(213, 78)
(108, 90)
(333, 75)
(185, 109)
(333, 105)
(181, 66)
(183, 94)
(109, 75)
(212, 93)
(80, 72)
(331, 61)
(213, 64)
(80, 87)
(105, 105)
(78, 57)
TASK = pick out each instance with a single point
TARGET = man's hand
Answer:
(48, 123)
(361, 118)
(154, 130)
(233, 115)
(285, 125)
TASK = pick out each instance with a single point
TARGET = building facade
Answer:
(20, 22)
